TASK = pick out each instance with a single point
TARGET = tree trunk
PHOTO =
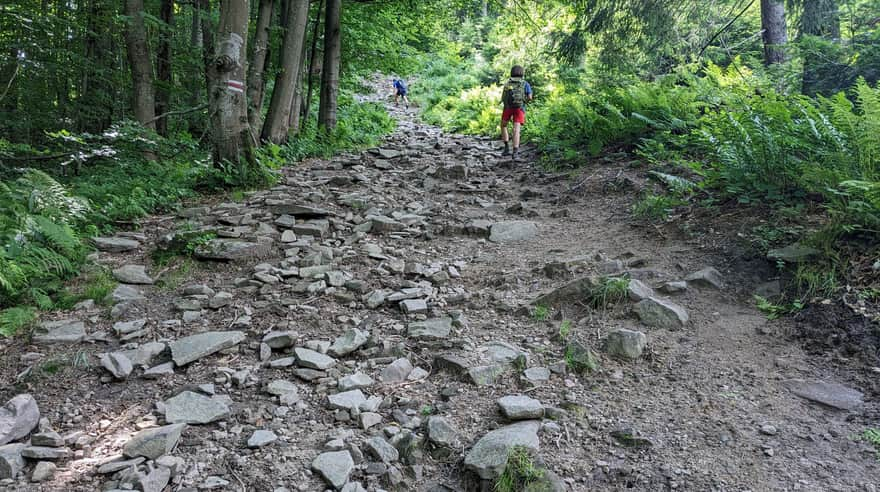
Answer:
(163, 66)
(278, 118)
(313, 56)
(297, 103)
(139, 59)
(330, 71)
(484, 10)
(257, 65)
(820, 18)
(207, 40)
(228, 105)
(775, 35)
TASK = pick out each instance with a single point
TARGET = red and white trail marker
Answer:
(235, 85)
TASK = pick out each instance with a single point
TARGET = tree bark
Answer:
(820, 18)
(313, 56)
(139, 59)
(163, 66)
(296, 104)
(775, 35)
(228, 105)
(257, 64)
(330, 71)
(277, 123)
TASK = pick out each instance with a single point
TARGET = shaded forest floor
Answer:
(422, 218)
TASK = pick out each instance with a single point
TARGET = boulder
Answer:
(63, 331)
(660, 313)
(520, 407)
(626, 344)
(132, 274)
(488, 457)
(194, 347)
(194, 408)
(18, 418)
(117, 364)
(516, 230)
(707, 277)
(334, 467)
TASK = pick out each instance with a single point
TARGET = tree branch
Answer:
(177, 113)
(726, 26)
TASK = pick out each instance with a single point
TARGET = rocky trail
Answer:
(400, 319)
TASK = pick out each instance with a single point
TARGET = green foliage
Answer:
(773, 310)
(541, 313)
(871, 435)
(564, 329)
(652, 206)
(579, 358)
(519, 471)
(609, 291)
(14, 319)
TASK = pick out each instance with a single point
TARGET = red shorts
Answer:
(518, 115)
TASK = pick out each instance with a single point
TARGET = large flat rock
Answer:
(153, 443)
(489, 455)
(512, 231)
(64, 331)
(660, 313)
(831, 394)
(194, 347)
(115, 244)
(132, 274)
(194, 408)
(334, 467)
(232, 249)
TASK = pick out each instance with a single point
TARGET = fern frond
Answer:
(14, 319)
(58, 236)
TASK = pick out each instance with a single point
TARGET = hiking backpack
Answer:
(514, 95)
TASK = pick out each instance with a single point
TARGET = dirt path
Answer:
(707, 402)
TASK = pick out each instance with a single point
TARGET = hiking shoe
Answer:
(513, 156)
(506, 150)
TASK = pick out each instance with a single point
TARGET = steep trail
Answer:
(707, 402)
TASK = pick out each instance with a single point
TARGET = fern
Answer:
(60, 237)
(14, 319)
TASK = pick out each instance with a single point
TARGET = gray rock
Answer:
(115, 244)
(117, 364)
(334, 467)
(397, 371)
(313, 360)
(517, 230)
(381, 449)
(627, 344)
(537, 374)
(350, 341)
(442, 433)
(375, 298)
(176, 464)
(357, 380)
(194, 347)
(154, 481)
(660, 313)
(280, 339)
(232, 249)
(132, 274)
(44, 470)
(353, 487)
(831, 394)
(64, 331)
(18, 418)
(575, 290)
(707, 277)
(145, 354)
(155, 372)
(126, 327)
(432, 329)
(793, 253)
(504, 353)
(45, 453)
(346, 400)
(194, 408)
(50, 439)
(213, 482)
(520, 407)
(369, 419)
(281, 387)
(119, 465)
(198, 290)
(220, 300)
(381, 224)
(297, 210)
(413, 306)
(126, 293)
(674, 287)
(261, 438)
(486, 375)
(488, 457)
(11, 460)
(637, 290)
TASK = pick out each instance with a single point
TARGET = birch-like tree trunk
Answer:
(257, 65)
(775, 35)
(277, 124)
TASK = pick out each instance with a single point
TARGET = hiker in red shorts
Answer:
(514, 96)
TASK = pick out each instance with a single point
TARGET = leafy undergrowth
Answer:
(46, 219)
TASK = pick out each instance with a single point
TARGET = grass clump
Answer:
(520, 471)
(580, 359)
(541, 313)
(608, 291)
(872, 436)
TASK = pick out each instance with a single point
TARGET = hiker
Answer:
(400, 91)
(514, 96)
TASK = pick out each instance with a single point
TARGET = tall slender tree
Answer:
(228, 106)
(313, 56)
(330, 71)
(139, 60)
(775, 35)
(820, 18)
(163, 66)
(278, 118)
(257, 65)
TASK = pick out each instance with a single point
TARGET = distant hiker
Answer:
(514, 96)
(400, 91)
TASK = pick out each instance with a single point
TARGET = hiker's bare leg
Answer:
(504, 136)
(516, 127)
